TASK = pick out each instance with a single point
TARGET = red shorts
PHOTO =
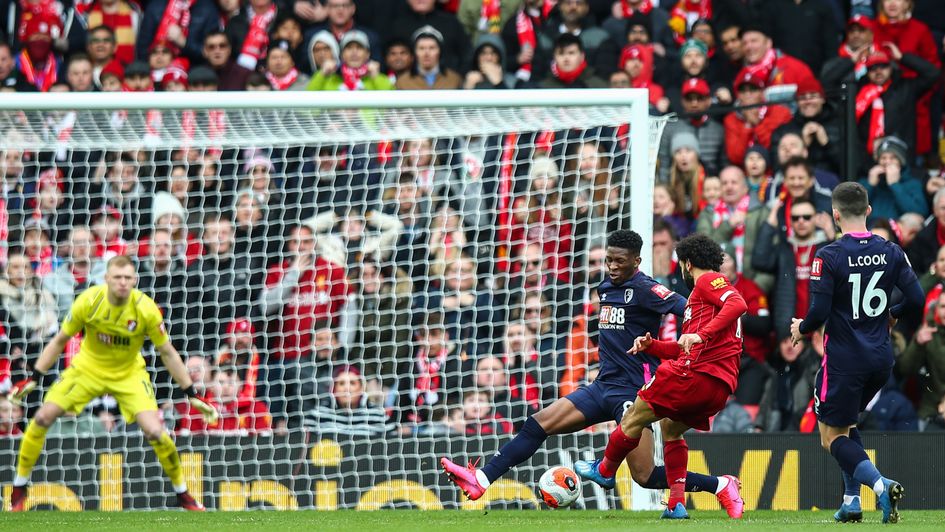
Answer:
(692, 398)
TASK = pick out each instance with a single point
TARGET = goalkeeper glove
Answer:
(22, 388)
(207, 410)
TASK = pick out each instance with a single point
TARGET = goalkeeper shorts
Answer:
(75, 388)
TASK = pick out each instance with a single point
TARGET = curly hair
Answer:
(703, 252)
(626, 239)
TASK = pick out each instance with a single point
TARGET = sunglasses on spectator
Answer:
(799, 217)
(216, 46)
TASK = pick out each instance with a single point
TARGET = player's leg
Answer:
(850, 510)
(562, 417)
(153, 430)
(676, 458)
(623, 440)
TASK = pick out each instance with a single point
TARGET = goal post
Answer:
(425, 208)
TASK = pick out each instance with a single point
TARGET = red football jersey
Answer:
(719, 354)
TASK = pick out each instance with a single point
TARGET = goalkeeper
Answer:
(115, 319)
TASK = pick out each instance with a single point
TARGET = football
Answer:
(559, 487)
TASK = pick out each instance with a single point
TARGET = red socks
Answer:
(617, 449)
(676, 458)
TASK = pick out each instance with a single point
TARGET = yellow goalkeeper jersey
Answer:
(113, 335)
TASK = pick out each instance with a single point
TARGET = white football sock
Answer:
(850, 499)
(20, 481)
(879, 487)
(482, 478)
(723, 483)
(180, 489)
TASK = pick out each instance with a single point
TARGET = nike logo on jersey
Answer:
(867, 260)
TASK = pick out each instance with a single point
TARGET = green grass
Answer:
(445, 521)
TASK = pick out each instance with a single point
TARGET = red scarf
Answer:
(765, 67)
(428, 379)
(176, 13)
(870, 97)
(507, 245)
(568, 77)
(685, 13)
(722, 214)
(940, 233)
(41, 81)
(257, 39)
(859, 67)
(351, 77)
(525, 28)
(124, 23)
(281, 83)
(628, 11)
(490, 16)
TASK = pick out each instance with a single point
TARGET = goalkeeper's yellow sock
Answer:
(30, 448)
(166, 452)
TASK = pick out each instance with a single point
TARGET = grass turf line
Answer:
(394, 520)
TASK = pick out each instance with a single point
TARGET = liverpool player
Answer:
(695, 383)
(851, 286)
(631, 304)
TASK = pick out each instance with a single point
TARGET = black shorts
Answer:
(602, 402)
(839, 399)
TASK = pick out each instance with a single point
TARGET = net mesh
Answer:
(378, 274)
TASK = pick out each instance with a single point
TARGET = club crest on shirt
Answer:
(661, 291)
(816, 267)
(628, 295)
(719, 282)
(132, 325)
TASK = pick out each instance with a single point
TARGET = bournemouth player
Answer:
(114, 318)
(695, 383)
(631, 305)
(851, 286)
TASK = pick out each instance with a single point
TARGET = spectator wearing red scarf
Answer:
(37, 63)
(479, 417)
(123, 22)
(850, 63)
(180, 24)
(921, 251)
(753, 125)
(885, 103)
(570, 69)
(528, 48)
(637, 61)
(895, 25)
(765, 62)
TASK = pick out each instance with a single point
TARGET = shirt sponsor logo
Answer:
(661, 291)
(718, 282)
(612, 318)
(628, 295)
(687, 315)
(113, 340)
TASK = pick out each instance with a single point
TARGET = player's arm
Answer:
(662, 349)
(38, 375)
(731, 306)
(175, 366)
(821, 298)
(908, 283)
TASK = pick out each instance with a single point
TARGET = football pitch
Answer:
(447, 521)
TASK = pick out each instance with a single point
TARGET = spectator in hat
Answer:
(114, 24)
(818, 39)
(138, 77)
(174, 79)
(218, 54)
(322, 48)
(430, 71)
(756, 122)
(768, 64)
(112, 77)
(570, 70)
(168, 213)
(886, 101)
(633, 61)
(850, 63)
(36, 62)
(488, 68)
(341, 19)
(280, 68)
(78, 270)
(357, 70)
(162, 23)
(686, 175)
(453, 41)
(694, 63)
(892, 189)
(899, 33)
(528, 47)
(818, 124)
(398, 59)
(709, 133)
(757, 167)
(239, 351)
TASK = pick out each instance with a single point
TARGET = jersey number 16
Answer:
(867, 298)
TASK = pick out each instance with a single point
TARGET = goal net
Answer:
(360, 282)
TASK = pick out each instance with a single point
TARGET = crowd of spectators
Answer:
(447, 285)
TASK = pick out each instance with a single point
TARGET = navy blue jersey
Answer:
(632, 309)
(858, 274)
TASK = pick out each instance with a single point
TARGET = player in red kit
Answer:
(699, 374)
